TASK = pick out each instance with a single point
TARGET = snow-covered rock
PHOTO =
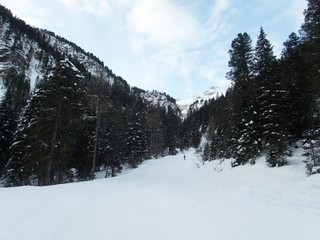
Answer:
(156, 98)
(188, 105)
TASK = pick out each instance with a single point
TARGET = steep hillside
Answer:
(65, 115)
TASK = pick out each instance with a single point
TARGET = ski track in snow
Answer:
(171, 198)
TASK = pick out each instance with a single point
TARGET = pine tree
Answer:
(8, 125)
(219, 130)
(19, 171)
(171, 124)
(310, 32)
(245, 142)
(98, 91)
(273, 102)
(45, 142)
(136, 136)
(116, 140)
(294, 79)
(312, 147)
(82, 159)
(156, 131)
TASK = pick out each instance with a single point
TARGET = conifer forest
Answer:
(64, 115)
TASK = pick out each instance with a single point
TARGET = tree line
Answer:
(73, 123)
(272, 102)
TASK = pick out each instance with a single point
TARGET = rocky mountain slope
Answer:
(56, 95)
(195, 103)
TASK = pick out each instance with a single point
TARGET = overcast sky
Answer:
(175, 46)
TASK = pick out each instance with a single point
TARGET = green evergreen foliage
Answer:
(310, 52)
(294, 80)
(136, 135)
(156, 131)
(50, 127)
(18, 171)
(312, 147)
(171, 123)
(244, 132)
(272, 102)
(77, 122)
(8, 125)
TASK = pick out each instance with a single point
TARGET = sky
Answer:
(175, 46)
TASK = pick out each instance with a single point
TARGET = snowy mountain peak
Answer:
(188, 105)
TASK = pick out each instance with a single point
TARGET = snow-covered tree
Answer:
(46, 137)
(136, 135)
(8, 124)
(312, 148)
(245, 139)
(310, 32)
(273, 101)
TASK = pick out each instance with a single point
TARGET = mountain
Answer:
(195, 103)
(156, 98)
(65, 115)
(23, 52)
(171, 198)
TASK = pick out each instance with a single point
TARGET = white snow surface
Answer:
(2, 91)
(171, 198)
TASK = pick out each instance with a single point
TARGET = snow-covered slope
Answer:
(28, 54)
(156, 98)
(20, 59)
(171, 198)
(196, 102)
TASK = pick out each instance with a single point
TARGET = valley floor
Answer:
(171, 198)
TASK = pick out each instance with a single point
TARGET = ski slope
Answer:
(171, 199)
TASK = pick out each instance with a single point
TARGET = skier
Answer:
(184, 157)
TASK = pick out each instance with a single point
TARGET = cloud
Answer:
(219, 7)
(163, 23)
(217, 21)
(294, 12)
(30, 11)
(99, 8)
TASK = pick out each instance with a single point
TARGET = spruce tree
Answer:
(171, 124)
(245, 142)
(136, 137)
(82, 159)
(18, 171)
(310, 32)
(273, 102)
(45, 142)
(97, 92)
(294, 78)
(155, 131)
(8, 125)
(116, 140)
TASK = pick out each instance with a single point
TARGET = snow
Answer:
(156, 98)
(2, 91)
(33, 74)
(196, 102)
(171, 198)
